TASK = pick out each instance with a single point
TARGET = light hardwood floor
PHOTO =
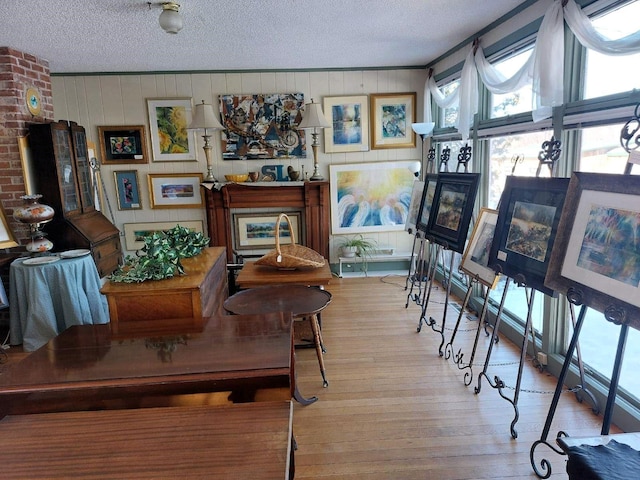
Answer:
(395, 409)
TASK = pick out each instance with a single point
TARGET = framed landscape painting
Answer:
(349, 119)
(596, 256)
(528, 218)
(175, 190)
(475, 261)
(168, 122)
(414, 207)
(452, 208)
(134, 233)
(370, 197)
(258, 230)
(428, 193)
(391, 117)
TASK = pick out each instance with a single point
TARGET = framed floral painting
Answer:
(171, 141)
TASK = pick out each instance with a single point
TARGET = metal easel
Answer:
(630, 141)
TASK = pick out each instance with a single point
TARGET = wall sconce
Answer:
(170, 19)
(314, 118)
(206, 119)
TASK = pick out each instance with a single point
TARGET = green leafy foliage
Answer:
(160, 256)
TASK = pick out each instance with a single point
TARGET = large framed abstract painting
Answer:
(349, 119)
(528, 218)
(596, 255)
(370, 197)
(452, 208)
(262, 126)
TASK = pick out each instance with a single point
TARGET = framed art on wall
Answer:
(134, 233)
(391, 117)
(258, 230)
(175, 190)
(168, 122)
(7, 239)
(121, 144)
(429, 191)
(262, 126)
(370, 197)
(452, 208)
(596, 255)
(349, 119)
(528, 217)
(475, 261)
(127, 189)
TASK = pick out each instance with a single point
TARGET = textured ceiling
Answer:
(78, 36)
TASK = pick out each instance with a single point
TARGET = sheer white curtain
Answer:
(588, 36)
(544, 69)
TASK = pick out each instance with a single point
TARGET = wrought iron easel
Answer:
(630, 141)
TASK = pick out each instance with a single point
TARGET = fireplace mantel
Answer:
(310, 197)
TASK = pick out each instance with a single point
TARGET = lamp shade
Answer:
(423, 128)
(204, 117)
(170, 19)
(313, 117)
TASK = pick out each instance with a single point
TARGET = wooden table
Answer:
(302, 301)
(85, 368)
(253, 275)
(247, 441)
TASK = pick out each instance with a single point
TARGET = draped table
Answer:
(47, 298)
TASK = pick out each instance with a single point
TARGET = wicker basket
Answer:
(291, 256)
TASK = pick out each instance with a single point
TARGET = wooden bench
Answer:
(251, 440)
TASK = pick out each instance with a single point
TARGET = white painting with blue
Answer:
(370, 197)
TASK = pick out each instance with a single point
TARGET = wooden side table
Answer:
(300, 300)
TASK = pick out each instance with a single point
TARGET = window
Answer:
(604, 73)
(514, 102)
(449, 116)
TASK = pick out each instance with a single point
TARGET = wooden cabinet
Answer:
(178, 304)
(311, 198)
(63, 177)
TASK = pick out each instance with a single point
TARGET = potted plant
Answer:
(356, 246)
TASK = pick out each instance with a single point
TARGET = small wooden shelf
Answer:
(375, 258)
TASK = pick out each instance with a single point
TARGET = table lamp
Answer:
(35, 215)
(206, 119)
(314, 118)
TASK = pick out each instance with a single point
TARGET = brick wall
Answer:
(18, 72)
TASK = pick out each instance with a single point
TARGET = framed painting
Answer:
(134, 233)
(370, 197)
(168, 122)
(120, 145)
(391, 117)
(429, 191)
(28, 173)
(127, 189)
(175, 190)
(452, 208)
(258, 230)
(7, 239)
(414, 206)
(596, 256)
(475, 261)
(262, 126)
(528, 218)
(349, 119)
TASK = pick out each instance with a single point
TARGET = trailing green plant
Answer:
(160, 256)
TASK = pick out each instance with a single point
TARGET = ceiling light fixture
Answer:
(170, 19)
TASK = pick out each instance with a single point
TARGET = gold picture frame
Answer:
(175, 190)
(133, 232)
(123, 144)
(7, 239)
(391, 117)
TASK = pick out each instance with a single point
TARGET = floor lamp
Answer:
(424, 130)
(314, 118)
